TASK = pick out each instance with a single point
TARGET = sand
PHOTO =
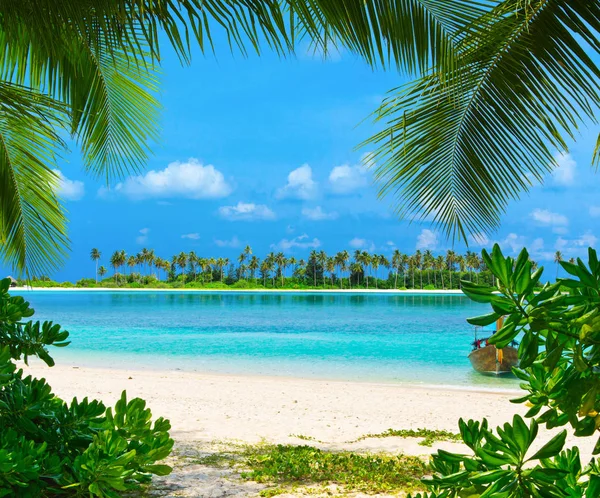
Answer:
(450, 292)
(207, 408)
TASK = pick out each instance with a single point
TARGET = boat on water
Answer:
(487, 359)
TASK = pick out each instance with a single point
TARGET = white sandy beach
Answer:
(275, 291)
(205, 408)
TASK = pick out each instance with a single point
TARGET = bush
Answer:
(429, 287)
(49, 447)
(85, 282)
(241, 284)
(559, 366)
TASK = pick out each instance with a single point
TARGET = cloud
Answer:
(594, 211)
(364, 244)
(71, 190)
(479, 239)
(192, 236)
(577, 246)
(300, 185)
(233, 242)
(427, 239)
(317, 214)
(191, 180)
(300, 242)
(546, 218)
(143, 237)
(564, 174)
(246, 211)
(346, 179)
(514, 242)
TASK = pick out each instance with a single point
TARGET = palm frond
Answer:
(457, 147)
(32, 221)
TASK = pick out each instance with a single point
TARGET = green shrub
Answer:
(49, 447)
(85, 282)
(559, 366)
(241, 284)
(429, 287)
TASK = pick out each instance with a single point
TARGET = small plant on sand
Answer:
(428, 436)
(49, 447)
(559, 357)
(372, 473)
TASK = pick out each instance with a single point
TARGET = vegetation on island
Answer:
(559, 366)
(49, 447)
(343, 270)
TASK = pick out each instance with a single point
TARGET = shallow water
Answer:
(372, 337)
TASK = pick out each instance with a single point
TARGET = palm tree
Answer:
(396, 262)
(467, 136)
(450, 260)
(253, 265)
(375, 265)
(101, 271)
(330, 267)
(221, 262)
(182, 261)
(440, 264)
(313, 257)
(558, 257)
(417, 263)
(131, 263)
(117, 260)
(95, 255)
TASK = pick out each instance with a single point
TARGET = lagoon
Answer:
(408, 338)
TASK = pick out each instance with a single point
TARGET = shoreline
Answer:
(452, 292)
(399, 384)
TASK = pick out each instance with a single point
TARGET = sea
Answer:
(418, 339)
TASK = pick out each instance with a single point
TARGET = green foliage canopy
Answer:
(48, 446)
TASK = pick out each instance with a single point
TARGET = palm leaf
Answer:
(459, 146)
(32, 222)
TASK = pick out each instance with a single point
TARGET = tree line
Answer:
(344, 269)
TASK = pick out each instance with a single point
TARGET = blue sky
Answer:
(262, 151)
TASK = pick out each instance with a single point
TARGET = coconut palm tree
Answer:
(440, 264)
(102, 271)
(462, 140)
(117, 260)
(375, 265)
(90, 67)
(131, 263)
(396, 264)
(182, 261)
(558, 257)
(95, 255)
(253, 265)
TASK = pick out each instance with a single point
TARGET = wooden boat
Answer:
(489, 360)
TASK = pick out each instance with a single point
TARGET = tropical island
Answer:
(422, 270)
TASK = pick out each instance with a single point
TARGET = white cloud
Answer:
(364, 244)
(233, 242)
(594, 211)
(143, 237)
(588, 239)
(317, 214)
(191, 179)
(576, 247)
(545, 217)
(564, 174)
(514, 242)
(479, 239)
(427, 239)
(192, 236)
(300, 185)
(71, 190)
(345, 179)
(246, 211)
(300, 242)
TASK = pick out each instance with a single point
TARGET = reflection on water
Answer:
(388, 337)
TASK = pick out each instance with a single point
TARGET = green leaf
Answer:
(551, 448)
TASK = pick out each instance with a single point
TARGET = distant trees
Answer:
(361, 269)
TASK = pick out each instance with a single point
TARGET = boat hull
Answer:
(484, 360)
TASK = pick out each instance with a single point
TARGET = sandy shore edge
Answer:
(454, 292)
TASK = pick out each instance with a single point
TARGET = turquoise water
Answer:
(374, 337)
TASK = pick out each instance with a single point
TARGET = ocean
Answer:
(408, 338)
